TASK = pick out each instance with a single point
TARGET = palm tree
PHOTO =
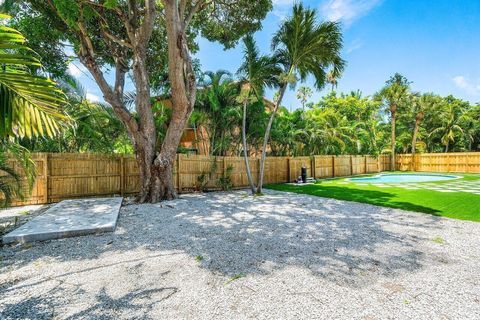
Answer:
(420, 105)
(256, 73)
(332, 79)
(31, 105)
(303, 47)
(450, 128)
(393, 95)
(303, 94)
(327, 132)
(217, 97)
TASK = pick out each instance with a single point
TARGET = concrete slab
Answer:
(69, 218)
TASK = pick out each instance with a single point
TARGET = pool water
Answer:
(405, 177)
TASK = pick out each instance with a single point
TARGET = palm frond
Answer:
(30, 105)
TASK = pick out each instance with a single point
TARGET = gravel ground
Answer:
(12, 218)
(230, 256)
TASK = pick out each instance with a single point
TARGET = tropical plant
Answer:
(217, 97)
(303, 94)
(256, 73)
(12, 184)
(332, 78)
(30, 105)
(420, 104)
(303, 46)
(450, 129)
(96, 129)
(327, 132)
(394, 95)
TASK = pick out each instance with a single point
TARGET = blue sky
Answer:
(434, 43)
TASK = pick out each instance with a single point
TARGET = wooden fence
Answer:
(465, 162)
(64, 176)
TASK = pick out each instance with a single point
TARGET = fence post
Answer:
(467, 167)
(312, 164)
(333, 166)
(288, 168)
(351, 165)
(179, 187)
(46, 173)
(122, 175)
(366, 171)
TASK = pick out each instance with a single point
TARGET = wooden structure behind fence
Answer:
(65, 176)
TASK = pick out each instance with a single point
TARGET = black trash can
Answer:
(304, 175)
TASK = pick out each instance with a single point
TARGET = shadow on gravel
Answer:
(136, 304)
(347, 243)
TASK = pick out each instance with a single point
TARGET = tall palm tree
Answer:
(30, 105)
(393, 95)
(303, 94)
(420, 105)
(256, 73)
(332, 79)
(303, 46)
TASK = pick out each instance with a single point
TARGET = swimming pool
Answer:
(404, 177)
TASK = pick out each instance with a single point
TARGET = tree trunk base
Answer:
(159, 187)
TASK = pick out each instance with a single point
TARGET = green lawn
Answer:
(457, 205)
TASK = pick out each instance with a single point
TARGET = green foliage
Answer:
(225, 181)
(305, 46)
(201, 182)
(96, 129)
(69, 11)
(11, 184)
(204, 178)
(217, 99)
(30, 105)
(257, 71)
(303, 94)
(236, 277)
(439, 240)
(229, 20)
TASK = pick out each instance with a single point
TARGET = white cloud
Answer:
(354, 45)
(75, 70)
(92, 98)
(347, 11)
(281, 8)
(464, 84)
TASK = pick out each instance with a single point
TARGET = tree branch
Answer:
(118, 41)
(199, 5)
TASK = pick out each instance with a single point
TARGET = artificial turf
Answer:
(457, 205)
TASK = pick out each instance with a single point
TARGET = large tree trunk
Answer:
(393, 112)
(245, 148)
(267, 136)
(183, 88)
